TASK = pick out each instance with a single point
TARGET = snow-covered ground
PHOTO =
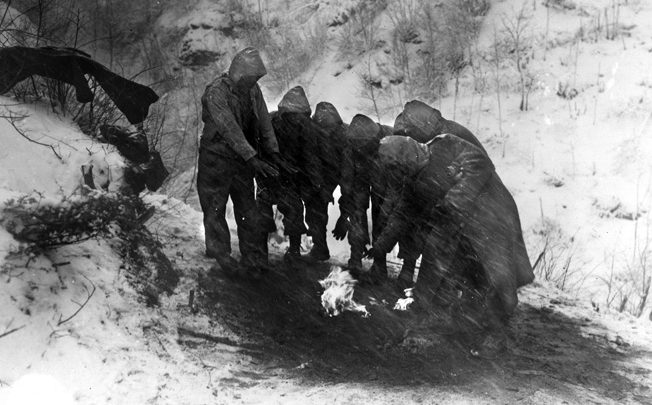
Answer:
(579, 170)
(118, 350)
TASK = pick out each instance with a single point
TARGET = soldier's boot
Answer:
(354, 267)
(406, 276)
(294, 251)
(496, 339)
(226, 264)
(378, 271)
(319, 251)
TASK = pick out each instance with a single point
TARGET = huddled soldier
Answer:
(361, 185)
(422, 123)
(333, 146)
(303, 144)
(429, 182)
(236, 126)
(453, 190)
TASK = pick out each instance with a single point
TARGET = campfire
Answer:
(338, 293)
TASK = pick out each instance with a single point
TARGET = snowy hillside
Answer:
(578, 166)
(75, 329)
(81, 325)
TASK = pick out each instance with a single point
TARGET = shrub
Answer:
(557, 261)
(290, 51)
(430, 43)
(359, 33)
(46, 224)
(474, 8)
(565, 91)
(628, 287)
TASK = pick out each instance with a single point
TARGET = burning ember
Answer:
(338, 293)
(403, 304)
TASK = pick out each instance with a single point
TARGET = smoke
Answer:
(338, 293)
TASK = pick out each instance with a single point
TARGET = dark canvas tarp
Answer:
(131, 145)
(70, 66)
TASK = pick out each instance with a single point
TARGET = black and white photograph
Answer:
(325, 202)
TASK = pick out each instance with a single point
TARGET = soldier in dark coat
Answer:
(301, 146)
(332, 155)
(454, 191)
(361, 183)
(422, 123)
(236, 127)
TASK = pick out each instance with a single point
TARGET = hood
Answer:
(363, 128)
(247, 63)
(386, 130)
(326, 115)
(295, 101)
(363, 134)
(420, 121)
(399, 125)
(403, 154)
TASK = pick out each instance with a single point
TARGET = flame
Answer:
(403, 304)
(338, 293)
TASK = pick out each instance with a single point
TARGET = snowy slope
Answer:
(118, 350)
(43, 152)
(583, 165)
(72, 328)
(580, 168)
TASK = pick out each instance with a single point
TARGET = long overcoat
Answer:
(454, 182)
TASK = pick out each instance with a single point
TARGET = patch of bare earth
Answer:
(283, 349)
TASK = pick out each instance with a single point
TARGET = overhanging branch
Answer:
(12, 119)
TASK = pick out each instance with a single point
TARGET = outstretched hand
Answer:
(283, 164)
(261, 168)
(341, 228)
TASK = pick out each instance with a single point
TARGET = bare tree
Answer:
(496, 63)
(480, 79)
(432, 68)
(518, 41)
(371, 88)
(405, 18)
(359, 34)
(545, 39)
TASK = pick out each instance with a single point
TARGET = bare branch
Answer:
(82, 305)
(12, 121)
(9, 332)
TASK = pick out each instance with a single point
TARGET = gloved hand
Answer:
(369, 253)
(282, 164)
(341, 228)
(262, 168)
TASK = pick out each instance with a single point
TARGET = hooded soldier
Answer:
(453, 190)
(236, 127)
(361, 182)
(301, 145)
(422, 123)
(328, 119)
(333, 146)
